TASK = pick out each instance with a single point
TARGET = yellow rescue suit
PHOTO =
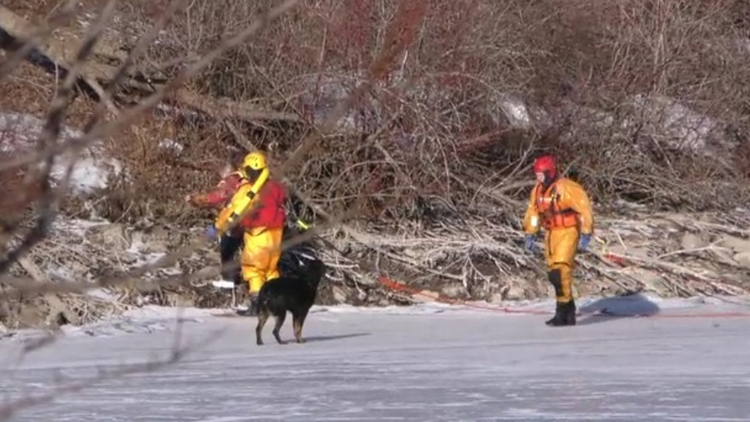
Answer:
(263, 228)
(260, 257)
(564, 210)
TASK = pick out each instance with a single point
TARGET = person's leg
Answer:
(230, 244)
(274, 250)
(552, 276)
(255, 261)
(561, 247)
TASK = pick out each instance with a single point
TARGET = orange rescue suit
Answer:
(564, 210)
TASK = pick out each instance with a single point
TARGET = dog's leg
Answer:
(262, 318)
(298, 322)
(277, 328)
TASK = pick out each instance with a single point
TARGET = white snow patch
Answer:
(61, 274)
(320, 93)
(744, 44)
(76, 226)
(666, 120)
(420, 309)
(88, 173)
(145, 319)
(171, 145)
(513, 107)
(101, 294)
(683, 127)
(91, 168)
(141, 252)
(164, 110)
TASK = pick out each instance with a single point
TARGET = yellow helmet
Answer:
(253, 164)
(254, 161)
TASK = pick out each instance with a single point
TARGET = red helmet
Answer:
(545, 164)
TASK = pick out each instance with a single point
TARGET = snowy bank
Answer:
(91, 169)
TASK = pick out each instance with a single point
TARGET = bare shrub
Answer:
(467, 61)
(643, 101)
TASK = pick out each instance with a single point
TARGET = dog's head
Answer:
(314, 272)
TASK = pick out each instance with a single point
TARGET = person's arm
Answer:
(574, 196)
(219, 195)
(531, 219)
(230, 211)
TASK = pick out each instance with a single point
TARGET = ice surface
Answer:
(422, 363)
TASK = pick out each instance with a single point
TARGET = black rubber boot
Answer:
(559, 318)
(570, 315)
(565, 315)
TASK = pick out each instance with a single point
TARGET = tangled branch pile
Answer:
(653, 94)
(644, 104)
(416, 120)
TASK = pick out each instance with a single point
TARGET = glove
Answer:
(583, 243)
(211, 232)
(529, 244)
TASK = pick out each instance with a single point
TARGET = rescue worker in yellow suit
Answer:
(263, 225)
(563, 208)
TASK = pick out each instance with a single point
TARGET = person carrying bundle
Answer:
(261, 200)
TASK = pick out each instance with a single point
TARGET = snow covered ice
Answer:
(423, 363)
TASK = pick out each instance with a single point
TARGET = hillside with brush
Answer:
(404, 130)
